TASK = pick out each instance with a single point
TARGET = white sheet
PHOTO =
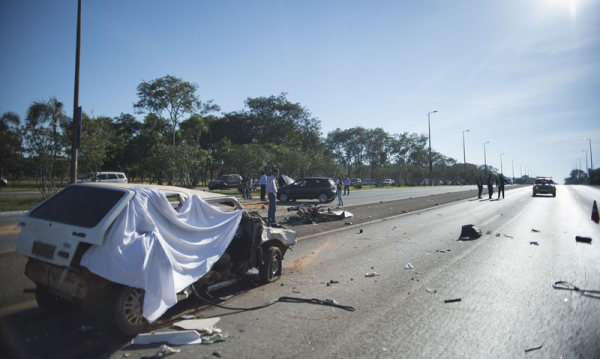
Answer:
(153, 247)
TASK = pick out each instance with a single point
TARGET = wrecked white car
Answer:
(146, 246)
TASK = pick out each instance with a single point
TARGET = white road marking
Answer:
(490, 220)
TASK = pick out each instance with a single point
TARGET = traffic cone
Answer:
(595, 217)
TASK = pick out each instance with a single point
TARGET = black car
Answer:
(225, 182)
(320, 188)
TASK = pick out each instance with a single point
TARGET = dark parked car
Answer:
(225, 182)
(320, 188)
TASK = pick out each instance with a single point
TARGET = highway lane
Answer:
(503, 280)
(507, 303)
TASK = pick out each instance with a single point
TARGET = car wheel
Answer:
(533, 194)
(51, 303)
(284, 197)
(323, 197)
(270, 269)
(128, 308)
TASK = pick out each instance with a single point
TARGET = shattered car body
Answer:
(307, 214)
(143, 247)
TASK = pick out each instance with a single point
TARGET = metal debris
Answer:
(408, 266)
(372, 274)
(534, 348)
(534, 243)
(312, 214)
(452, 300)
(507, 236)
(535, 231)
(583, 239)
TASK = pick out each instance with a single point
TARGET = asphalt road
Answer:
(503, 280)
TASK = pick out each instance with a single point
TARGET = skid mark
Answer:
(301, 262)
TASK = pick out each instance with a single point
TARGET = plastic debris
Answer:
(469, 231)
(331, 301)
(431, 290)
(507, 236)
(372, 274)
(452, 300)
(165, 350)
(497, 234)
(312, 214)
(217, 354)
(213, 338)
(534, 243)
(583, 239)
(333, 281)
(535, 231)
(197, 324)
(173, 338)
(443, 250)
(408, 266)
(534, 348)
(488, 232)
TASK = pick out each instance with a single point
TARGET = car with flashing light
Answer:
(142, 248)
(544, 185)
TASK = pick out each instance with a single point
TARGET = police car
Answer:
(544, 185)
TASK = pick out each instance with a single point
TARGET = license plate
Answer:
(43, 250)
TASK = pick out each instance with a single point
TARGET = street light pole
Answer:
(430, 163)
(587, 170)
(76, 129)
(484, 159)
(501, 169)
(465, 154)
(513, 169)
(591, 158)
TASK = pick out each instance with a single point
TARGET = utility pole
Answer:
(76, 119)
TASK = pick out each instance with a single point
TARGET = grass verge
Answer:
(19, 203)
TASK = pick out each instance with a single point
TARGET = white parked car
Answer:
(143, 247)
(388, 182)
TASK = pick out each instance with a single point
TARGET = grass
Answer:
(19, 203)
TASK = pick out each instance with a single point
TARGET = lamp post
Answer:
(465, 154)
(591, 157)
(76, 118)
(587, 170)
(485, 160)
(501, 169)
(526, 175)
(430, 163)
(513, 170)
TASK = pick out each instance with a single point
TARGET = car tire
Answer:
(533, 194)
(51, 303)
(128, 308)
(323, 197)
(270, 270)
(284, 197)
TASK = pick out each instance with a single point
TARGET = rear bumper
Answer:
(65, 282)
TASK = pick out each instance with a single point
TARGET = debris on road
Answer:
(165, 350)
(534, 243)
(443, 250)
(534, 231)
(583, 239)
(507, 236)
(174, 338)
(360, 230)
(469, 231)
(431, 290)
(348, 223)
(409, 266)
(372, 274)
(197, 324)
(534, 348)
(498, 234)
(312, 214)
(452, 300)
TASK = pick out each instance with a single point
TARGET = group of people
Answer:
(490, 185)
(346, 186)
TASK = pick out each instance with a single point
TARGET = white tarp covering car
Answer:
(149, 243)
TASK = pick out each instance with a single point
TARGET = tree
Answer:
(171, 95)
(97, 142)
(193, 128)
(10, 143)
(45, 144)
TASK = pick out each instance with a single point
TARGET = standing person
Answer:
(263, 186)
(347, 185)
(250, 187)
(338, 191)
(244, 187)
(479, 187)
(490, 185)
(272, 193)
(500, 184)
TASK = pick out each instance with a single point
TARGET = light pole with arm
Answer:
(513, 170)
(430, 163)
(591, 157)
(465, 154)
(485, 160)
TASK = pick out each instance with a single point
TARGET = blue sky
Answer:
(524, 75)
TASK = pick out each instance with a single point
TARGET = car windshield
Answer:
(222, 178)
(79, 206)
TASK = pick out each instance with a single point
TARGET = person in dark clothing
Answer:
(479, 187)
(263, 186)
(490, 185)
(500, 184)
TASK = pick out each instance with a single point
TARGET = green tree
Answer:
(97, 142)
(10, 143)
(44, 144)
(172, 95)
(193, 128)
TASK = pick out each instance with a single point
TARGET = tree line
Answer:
(184, 141)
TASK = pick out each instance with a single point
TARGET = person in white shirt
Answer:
(263, 186)
(272, 193)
